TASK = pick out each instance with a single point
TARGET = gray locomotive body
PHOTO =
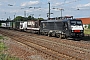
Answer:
(62, 28)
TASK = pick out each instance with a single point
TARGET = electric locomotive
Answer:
(62, 28)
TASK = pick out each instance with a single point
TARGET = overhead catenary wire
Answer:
(68, 2)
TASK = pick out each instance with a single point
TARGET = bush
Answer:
(1, 37)
(89, 26)
(0, 24)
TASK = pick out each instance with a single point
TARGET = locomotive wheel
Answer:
(42, 33)
(45, 34)
(60, 36)
(57, 35)
(66, 37)
(49, 35)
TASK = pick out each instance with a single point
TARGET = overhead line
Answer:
(65, 2)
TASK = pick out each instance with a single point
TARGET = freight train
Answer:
(63, 28)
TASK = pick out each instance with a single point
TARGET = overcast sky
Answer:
(76, 8)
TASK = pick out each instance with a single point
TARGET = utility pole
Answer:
(9, 18)
(49, 10)
(61, 11)
(14, 16)
(24, 13)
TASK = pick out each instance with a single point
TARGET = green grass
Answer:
(87, 31)
(5, 56)
(1, 37)
(2, 46)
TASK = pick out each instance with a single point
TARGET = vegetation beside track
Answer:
(87, 31)
(4, 56)
(87, 34)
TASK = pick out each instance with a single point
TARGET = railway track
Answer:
(57, 50)
(63, 41)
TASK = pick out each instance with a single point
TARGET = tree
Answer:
(20, 18)
(40, 19)
(29, 18)
(0, 24)
(7, 19)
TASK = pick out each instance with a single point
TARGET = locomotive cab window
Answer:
(79, 23)
(76, 22)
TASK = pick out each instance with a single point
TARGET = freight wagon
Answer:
(16, 25)
(19, 25)
(23, 25)
(9, 25)
(6, 24)
(62, 28)
(33, 26)
(3, 25)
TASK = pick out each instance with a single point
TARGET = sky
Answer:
(40, 8)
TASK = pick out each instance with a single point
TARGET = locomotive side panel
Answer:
(63, 28)
(51, 27)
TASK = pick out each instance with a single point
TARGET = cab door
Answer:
(66, 28)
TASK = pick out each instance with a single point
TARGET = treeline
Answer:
(20, 18)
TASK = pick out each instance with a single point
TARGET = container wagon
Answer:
(33, 26)
(19, 25)
(9, 25)
(23, 25)
(3, 25)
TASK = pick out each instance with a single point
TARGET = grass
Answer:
(2, 46)
(1, 37)
(5, 56)
(87, 31)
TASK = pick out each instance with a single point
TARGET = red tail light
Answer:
(76, 30)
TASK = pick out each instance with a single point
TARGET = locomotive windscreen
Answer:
(76, 22)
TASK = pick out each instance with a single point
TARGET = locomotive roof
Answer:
(58, 20)
(51, 21)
